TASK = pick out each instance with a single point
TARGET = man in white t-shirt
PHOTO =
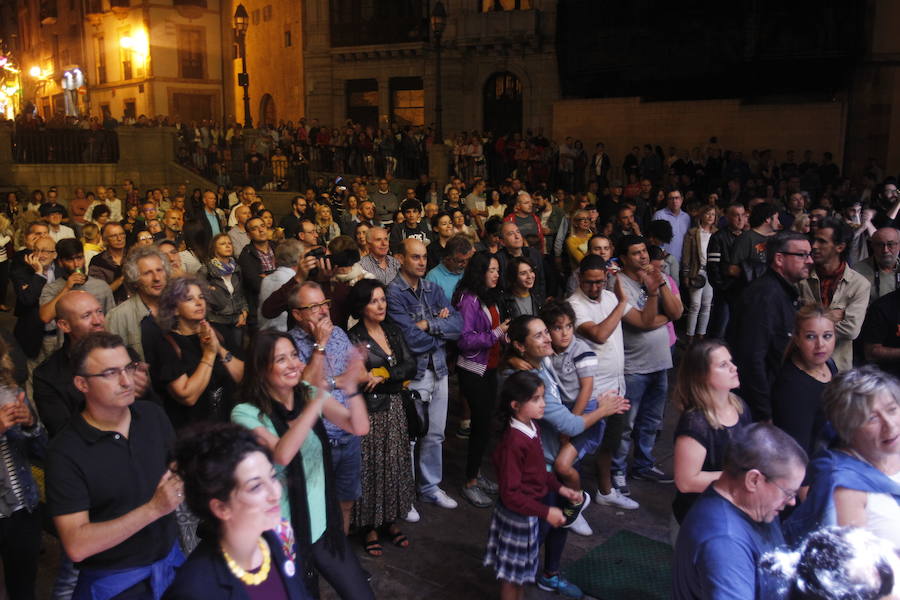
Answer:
(598, 321)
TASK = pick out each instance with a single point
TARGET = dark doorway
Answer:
(362, 101)
(267, 114)
(503, 104)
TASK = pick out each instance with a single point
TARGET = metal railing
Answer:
(65, 146)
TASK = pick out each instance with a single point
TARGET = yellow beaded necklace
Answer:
(251, 578)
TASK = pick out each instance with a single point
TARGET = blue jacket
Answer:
(205, 575)
(828, 470)
(407, 307)
(22, 442)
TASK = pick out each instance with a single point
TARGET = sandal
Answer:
(398, 538)
(373, 547)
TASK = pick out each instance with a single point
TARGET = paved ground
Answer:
(443, 561)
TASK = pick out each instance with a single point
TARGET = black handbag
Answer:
(698, 281)
(376, 403)
(416, 425)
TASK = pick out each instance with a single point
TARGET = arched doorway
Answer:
(503, 103)
(267, 114)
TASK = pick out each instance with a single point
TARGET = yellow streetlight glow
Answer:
(35, 71)
(126, 42)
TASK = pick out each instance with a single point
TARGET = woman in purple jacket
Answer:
(476, 299)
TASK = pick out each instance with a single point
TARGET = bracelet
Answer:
(209, 364)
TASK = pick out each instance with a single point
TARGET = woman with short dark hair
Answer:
(231, 485)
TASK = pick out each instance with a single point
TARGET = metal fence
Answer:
(65, 146)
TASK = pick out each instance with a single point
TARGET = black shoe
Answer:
(572, 511)
(653, 474)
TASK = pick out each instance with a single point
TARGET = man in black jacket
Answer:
(256, 261)
(764, 320)
(719, 269)
(29, 271)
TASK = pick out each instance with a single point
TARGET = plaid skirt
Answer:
(513, 546)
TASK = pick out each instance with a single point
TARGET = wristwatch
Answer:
(319, 348)
(227, 358)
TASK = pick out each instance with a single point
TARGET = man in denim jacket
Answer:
(428, 321)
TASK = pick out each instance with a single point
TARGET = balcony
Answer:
(500, 28)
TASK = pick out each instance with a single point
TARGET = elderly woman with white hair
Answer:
(856, 482)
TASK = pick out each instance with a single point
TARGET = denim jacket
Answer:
(406, 307)
(22, 441)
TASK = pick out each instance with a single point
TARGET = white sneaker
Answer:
(412, 516)
(617, 499)
(581, 527)
(440, 498)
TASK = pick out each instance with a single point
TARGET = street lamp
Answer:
(241, 23)
(438, 25)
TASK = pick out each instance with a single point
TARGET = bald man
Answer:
(428, 321)
(882, 268)
(78, 313)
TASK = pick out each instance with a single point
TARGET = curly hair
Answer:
(175, 293)
(130, 270)
(207, 456)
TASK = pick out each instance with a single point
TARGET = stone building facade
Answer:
(375, 62)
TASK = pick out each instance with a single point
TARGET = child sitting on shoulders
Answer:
(513, 545)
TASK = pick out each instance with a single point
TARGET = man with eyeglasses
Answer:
(736, 520)
(326, 350)
(109, 487)
(459, 251)
(764, 318)
(882, 268)
(108, 264)
(77, 314)
(27, 275)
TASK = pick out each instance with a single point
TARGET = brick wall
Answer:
(625, 122)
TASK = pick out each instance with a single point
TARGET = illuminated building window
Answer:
(287, 39)
(362, 101)
(499, 5)
(191, 45)
(407, 101)
(101, 59)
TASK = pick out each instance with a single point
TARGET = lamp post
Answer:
(438, 25)
(241, 23)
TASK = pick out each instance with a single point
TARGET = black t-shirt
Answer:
(882, 326)
(797, 405)
(108, 475)
(693, 424)
(170, 363)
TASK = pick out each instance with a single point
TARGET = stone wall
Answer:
(625, 122)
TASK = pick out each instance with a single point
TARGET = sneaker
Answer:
(440, 498)
(476, 496)
(464, 430)
(412, 516)
(653, 474)
(619, 483)
(559, 585)
(487, 486)
(573, 511)
(616, 498)
(581, 527)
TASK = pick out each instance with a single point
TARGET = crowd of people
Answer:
(300, 369)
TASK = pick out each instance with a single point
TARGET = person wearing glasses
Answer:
(764, 319)
(78, 314)
(855, 481)
(107, 265)
(882, 268)
(110, 491)
(326, 351)
(577, 242)
(735, 521)
(191, 368)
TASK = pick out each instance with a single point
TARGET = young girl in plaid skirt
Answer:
(513, 542)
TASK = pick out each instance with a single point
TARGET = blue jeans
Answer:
(433, 392)
(647, 393)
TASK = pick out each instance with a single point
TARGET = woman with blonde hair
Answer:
(6, 251)
(806, 370)
(711, 413)
(325, 225)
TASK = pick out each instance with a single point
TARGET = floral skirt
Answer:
(388, 489)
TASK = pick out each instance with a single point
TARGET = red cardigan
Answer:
(522, 473)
